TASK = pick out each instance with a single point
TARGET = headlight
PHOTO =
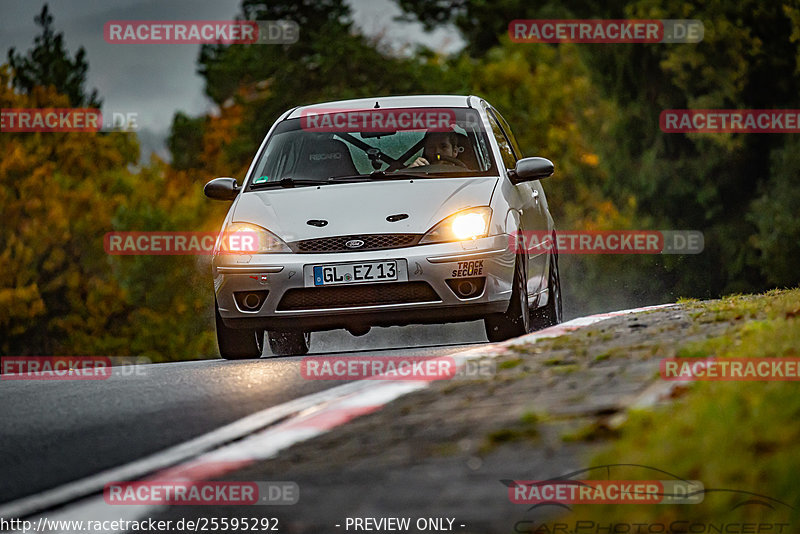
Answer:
(471, 223)
(244, 238)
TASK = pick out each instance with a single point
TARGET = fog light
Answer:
(467, 288)
(250, 300)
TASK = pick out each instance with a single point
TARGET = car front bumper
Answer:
(274, 275)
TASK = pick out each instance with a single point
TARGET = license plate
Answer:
(353, 273)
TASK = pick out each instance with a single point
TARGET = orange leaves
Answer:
(55, 212)
(219, 133)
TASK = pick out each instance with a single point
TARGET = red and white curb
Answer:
(254, 438)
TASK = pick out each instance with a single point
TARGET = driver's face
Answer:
(439, 145)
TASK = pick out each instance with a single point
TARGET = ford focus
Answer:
(381, 212)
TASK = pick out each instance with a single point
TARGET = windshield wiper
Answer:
(288, 182)
(380, 175)
(376, 175)
(403, 174)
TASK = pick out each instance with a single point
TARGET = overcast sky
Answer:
(154, 81)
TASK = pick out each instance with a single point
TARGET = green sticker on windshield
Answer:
(261, 180)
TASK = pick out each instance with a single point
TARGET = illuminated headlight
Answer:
(244, 238)
(464, 225)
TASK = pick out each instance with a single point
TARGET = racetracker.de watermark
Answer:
(170, 243)
(87, 120)
(378, 368)
(608, 242)
(395, 368)
(201, 493)
(50, 120)
(377, 120)
(606, 31)
(70, 367)
(731, 369)
(201, 32)
(730, 121)
(606, 491)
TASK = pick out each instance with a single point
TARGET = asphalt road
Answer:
(443, 452)
(54, 432)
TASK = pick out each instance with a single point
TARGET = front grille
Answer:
(371, 242)
(315, 298)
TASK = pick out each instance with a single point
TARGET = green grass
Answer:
(509, 364)
(530, 418)
(732, 435)
(525, 430)
(595, 431)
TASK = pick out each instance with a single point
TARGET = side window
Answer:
(509, 133)
(509, 161)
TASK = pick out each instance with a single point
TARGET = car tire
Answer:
(238, 344)
(551, 313)
(515, 321)
(289, 343)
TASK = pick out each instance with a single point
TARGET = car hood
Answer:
(361, 208)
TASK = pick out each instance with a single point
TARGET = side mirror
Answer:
(222, 189)
(528, 169)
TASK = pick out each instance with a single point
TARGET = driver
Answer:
(438, 144)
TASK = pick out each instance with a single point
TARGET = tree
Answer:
(48, 64)
(60, 193)
(701, 182)
(482, 22)
(330, 61)
(185, 141)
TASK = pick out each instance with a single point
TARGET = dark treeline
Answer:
(591, 108)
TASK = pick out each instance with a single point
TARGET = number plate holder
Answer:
(362, 272)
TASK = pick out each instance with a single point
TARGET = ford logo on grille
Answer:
(354, 243)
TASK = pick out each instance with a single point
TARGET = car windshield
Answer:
(331, 146)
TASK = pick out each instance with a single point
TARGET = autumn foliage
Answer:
(592, 109)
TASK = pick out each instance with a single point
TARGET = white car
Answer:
(379, 212)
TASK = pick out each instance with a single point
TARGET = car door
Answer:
(533, 210)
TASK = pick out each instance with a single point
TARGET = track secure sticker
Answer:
(468, 268)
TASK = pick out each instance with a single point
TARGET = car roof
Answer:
(387, 102)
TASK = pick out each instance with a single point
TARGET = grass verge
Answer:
(740, 439)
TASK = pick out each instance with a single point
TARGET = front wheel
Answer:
(238, 344)
(289, 343)
(551, 313)
(515, 321)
